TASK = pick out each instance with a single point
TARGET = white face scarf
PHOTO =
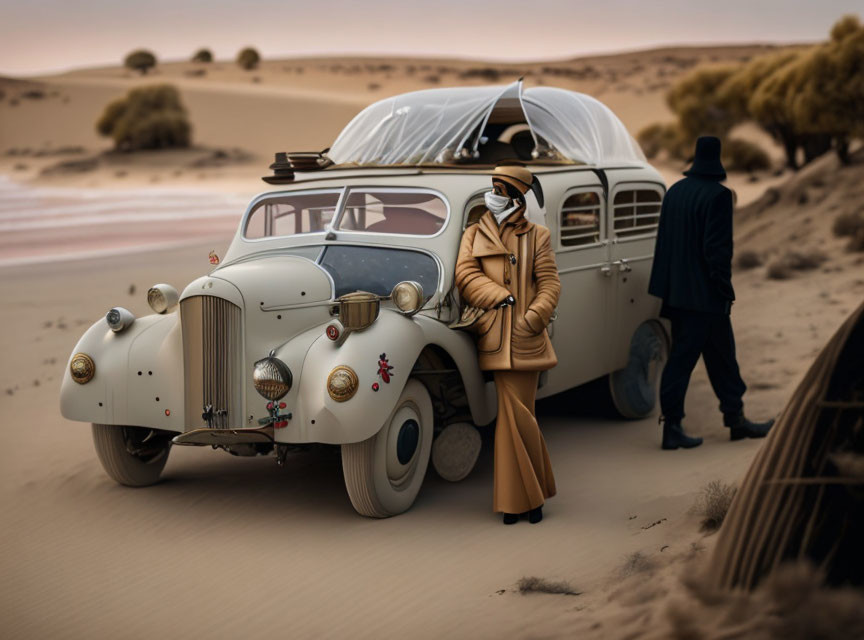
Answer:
(497, 206)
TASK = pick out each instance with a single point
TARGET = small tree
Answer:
(696, 102)
(248, 58)
(203, 55)
(830, 102)
(147, 118)
(140, 60)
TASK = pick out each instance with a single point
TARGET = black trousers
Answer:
(710, 335)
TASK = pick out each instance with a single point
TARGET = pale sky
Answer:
(48, 35)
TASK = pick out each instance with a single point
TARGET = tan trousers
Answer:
(523, 471)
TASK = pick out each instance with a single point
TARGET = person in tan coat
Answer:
(507, 267)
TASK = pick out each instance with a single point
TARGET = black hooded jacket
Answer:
(693, 256)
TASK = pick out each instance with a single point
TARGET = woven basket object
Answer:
(803, 496)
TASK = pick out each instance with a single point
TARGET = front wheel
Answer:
(132, 456)
(383, 474)
(634, 388)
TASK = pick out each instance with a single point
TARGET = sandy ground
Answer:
(229, 546)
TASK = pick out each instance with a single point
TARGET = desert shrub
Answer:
(147, 118)
(697, 103)
(659, 137)
(203, 55)
(748, 260)
(743, 155)
(831, 91)
(531, 584)
(856, 242)
(713, 504)
(248, 58)
(636, 562)
(140, 60)
(848, 224)
(791, 261)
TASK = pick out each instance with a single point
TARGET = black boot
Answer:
(511, 518)
(535, 515)
(740, 427)
(674, 436)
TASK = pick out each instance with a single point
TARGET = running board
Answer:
(205, 436)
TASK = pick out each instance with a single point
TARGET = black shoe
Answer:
(511, 518)
(535, 515)
(674, 437)
(740, 427)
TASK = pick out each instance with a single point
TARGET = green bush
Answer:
(696, 101)
(147, 118)
(659, 137)
(203, 55)
(248, 58)
(743, 155)
(140, 60)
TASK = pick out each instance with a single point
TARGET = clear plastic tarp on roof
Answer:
(447, 125)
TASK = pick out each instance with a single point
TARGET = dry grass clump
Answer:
(856, 242)
(791, 261)
(533, 584)
(743, 155)
(748, 260)
(636, 562)
(848, 224)
(713, 504)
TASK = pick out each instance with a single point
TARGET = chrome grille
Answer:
(212, 361)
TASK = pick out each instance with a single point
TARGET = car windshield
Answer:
(400, 211)
(292, 214)
(378, 270)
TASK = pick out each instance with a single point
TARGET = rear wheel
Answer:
(634, 388)
(132, 456)
(383, 474)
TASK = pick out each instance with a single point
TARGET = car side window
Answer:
(580, 219)
(636, 212)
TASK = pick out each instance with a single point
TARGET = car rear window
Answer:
(397, 211)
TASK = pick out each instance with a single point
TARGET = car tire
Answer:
(132, 456)
(634, 388)
(383, 474)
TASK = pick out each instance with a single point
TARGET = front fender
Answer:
(319, 418)
(138, 379)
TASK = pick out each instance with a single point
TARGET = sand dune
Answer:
(228, 547)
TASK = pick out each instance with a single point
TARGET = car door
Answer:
(632, 231)
(581, 332)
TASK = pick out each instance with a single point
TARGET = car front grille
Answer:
(212, 353)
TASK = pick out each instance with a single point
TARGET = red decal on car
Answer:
(384, 368)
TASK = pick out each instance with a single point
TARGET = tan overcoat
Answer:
(516, 260)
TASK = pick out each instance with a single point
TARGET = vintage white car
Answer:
(329, 319)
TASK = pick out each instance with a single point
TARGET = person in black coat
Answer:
(692, 273)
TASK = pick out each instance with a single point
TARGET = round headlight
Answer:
(272, 378)
(82, 368)
(119, 318)
(342, 383)
(408, 297)
(162, 297)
